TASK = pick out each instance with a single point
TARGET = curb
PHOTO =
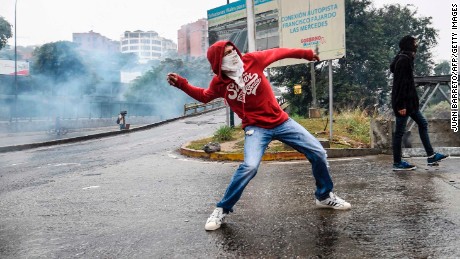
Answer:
(278, 156)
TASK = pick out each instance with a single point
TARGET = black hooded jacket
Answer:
(403, 94)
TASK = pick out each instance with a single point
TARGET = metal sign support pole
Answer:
(331, 99)
(251, 27)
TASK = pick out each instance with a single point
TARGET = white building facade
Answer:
(148, 45)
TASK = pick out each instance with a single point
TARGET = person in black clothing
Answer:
(405, 104)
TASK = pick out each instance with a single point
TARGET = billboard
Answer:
(228, 22)
(7, 67)
(315, 24)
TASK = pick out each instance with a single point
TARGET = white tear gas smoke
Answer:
(77, 85)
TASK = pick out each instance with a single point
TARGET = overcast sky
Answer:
(43, 21)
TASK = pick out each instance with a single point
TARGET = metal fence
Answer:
(198, 107)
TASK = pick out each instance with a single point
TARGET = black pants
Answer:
(401, 123)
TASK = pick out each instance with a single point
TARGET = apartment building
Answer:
(192, 39)
(91, 41)
(148, 45)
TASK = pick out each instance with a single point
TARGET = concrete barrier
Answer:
(441, 136)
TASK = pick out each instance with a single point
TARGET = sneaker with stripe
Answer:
(333, 202)
(435, 158)
(215, 220)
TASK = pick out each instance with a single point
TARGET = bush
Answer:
(224, 133)
(440, 110)
(356, 124)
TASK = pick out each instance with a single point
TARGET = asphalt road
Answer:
(134, 196)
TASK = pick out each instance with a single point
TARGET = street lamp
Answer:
(15, 65)
(232, 114)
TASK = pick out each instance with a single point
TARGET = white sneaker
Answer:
(215, 220)
(333, 202)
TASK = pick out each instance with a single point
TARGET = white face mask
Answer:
(232, 66)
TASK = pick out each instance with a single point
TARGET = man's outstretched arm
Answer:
(197, 93)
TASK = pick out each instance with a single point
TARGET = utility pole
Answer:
(232, 114)
(251, 27)
(15, 65)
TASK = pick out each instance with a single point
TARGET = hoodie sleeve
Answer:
(266, 57)
(198, 93)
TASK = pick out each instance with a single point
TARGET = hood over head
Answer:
(215, 55)
(407, 43)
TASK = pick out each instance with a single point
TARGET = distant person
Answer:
(122, 120)
(241, 81)
(405, 104)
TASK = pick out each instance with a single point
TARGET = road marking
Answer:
(65, 164)
(170, 155)
(91, 187)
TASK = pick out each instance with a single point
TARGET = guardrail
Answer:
(198, 107)
(281, 100)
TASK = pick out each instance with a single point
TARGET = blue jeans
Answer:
(256, 141)
(400, 129)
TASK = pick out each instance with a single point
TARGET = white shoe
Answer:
(215, 220)
(333, 202)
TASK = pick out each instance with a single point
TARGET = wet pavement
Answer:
(394, 215)
(134, 196)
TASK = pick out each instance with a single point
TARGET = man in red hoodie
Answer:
(241, 81)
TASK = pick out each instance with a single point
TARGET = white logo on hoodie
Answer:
(251, 82)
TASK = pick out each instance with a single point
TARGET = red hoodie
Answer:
(255, 104)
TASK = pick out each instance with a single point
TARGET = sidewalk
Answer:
(21, 138)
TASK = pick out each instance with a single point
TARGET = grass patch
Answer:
(198, 144)
(224, 133)
(351, 129)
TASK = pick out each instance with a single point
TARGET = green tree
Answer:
(442, 68)
(5, 32)
(152, 87)
(362, 78)
(59, 68)
(362, 71)
(398, 21)
(283, 76)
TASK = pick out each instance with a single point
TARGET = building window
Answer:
(134, 41)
